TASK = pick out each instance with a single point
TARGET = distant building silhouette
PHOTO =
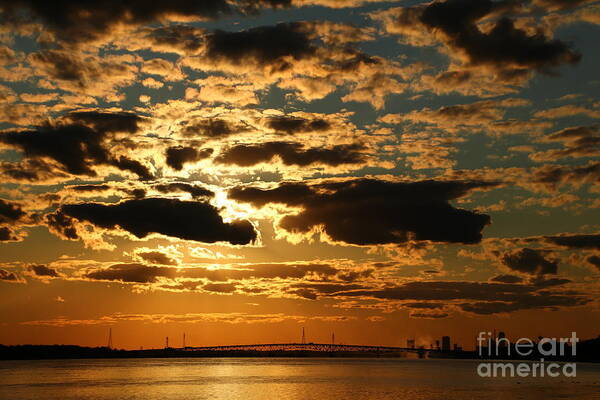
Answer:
(446, 343)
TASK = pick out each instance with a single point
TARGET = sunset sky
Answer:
(240, 169)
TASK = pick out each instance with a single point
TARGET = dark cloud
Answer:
(62, 225)
(487, 298)
(106, 122)
(8, 276)
(304, 293)
(90, 188)
(578, 142)
(7, 235)
(271, 46)
(293, 125)
(576, 241)
(127, 164)
(77, 148)
(132, 272)
(554, 176)
(504, 47)
(30, 170)
(156, 257)
(178, 156)
(594, 260)
(10, 212)
(188, 220)
(138, 193)
(79, 21)
(544, 300)
(51, 142)
(446, 290)
(542, 282)
(507, 279)
(176, 38)
(194, 190)
(292, 154)
(84, 74)
(312, 291)
(429, 315)
(212, 128)
(263, 271)
(369, 211)
(220, 287)
(142, 273)
(554, 5)
(43, 270)
(530, 261)
(423, 305)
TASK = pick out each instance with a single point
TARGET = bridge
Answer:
(312, 347)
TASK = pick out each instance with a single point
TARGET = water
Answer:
(279, 379)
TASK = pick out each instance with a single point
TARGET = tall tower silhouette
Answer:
(303, 336)
(166, 342)
(332, 337)
(184, 340)
(110, 343)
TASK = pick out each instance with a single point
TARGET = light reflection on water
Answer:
(276, 378)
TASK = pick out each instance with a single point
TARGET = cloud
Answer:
(175, 38)
(578, 142)
(291, 125)
(187, 220)
(84, 73)
(273, 279)
(292, 154)
(156, 257)
(428, 315)
(530, 261)
(487, 298)
(8, 235)
(76, 21)
(195, 191)
(11, 216)
(591, 241)
(90, 188)
(107, 122)
(212, 128)
(177, 157)
(553, 176)
(370, 211)
(7, 276)
(507, 279)
(44, 271)
(76, 149)
(480, 114)
(504, 47)
(566, 111)
(270, 47)
(594, 260)
(554, 5)
(10, 212)
(220, 287)
(488, 49)
(132, 272)
(309, 58)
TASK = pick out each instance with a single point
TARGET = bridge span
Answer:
(313, 347)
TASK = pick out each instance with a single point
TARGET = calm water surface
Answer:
(253, 379)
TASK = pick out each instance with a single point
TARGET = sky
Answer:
(237, 170)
